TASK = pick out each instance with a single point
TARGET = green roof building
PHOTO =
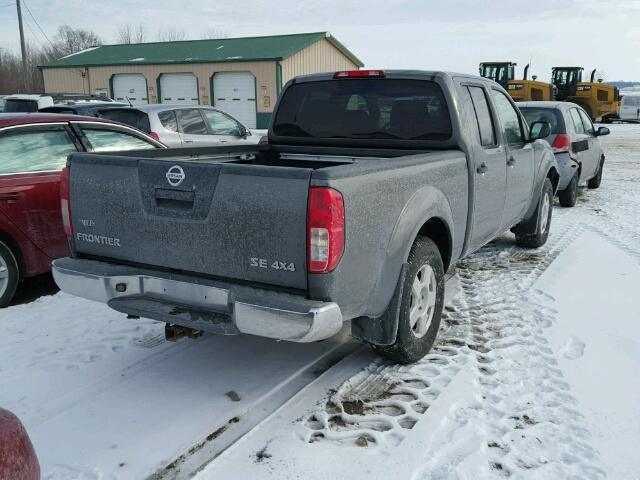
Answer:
(242, 76)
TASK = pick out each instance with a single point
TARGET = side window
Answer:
(509, 118)
(483, 116)
(168, 120)
(221, 124)
(191, 122)
(35, 151)
(104, 140)
(586, 121)
(577, 121)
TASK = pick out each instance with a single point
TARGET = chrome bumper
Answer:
(199, 304)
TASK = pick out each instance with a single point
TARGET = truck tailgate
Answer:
(235, 221)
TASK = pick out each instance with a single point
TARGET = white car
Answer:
(26, 103)
(185, 126)
(630, 107)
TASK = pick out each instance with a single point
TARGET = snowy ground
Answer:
(534, 375)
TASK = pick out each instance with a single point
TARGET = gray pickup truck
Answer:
(372, 185)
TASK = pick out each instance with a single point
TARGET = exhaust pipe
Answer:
(526, 72)
(593, 75)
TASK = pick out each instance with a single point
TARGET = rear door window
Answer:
(221, 124)
(586, 121)
(577, 121)
(483, 116)
(107, 140)
(168, 120)
(34, 150)
(191, 122)
(366, 109)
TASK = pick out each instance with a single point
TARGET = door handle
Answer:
(187, 140)
(11, 197)
(511, 162)
(482, 169)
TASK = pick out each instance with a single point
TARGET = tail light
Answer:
(264, 140)
(562, 143)
(359, 74)
(325, 229)
(65, 207)
(155, 136)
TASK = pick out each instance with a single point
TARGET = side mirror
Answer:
(602, 131)
(539, 130)
(243, 131)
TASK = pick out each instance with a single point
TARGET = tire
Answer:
(595, 182)
(9, 275)
(569, 195)
(426, 271)
(534, 234)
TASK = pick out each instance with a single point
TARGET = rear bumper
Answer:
(567, 167)
(197, 303)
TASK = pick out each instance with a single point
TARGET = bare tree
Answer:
(129, 33)
(70, 40)
(212, 32)
(171, 35)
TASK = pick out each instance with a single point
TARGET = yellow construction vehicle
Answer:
(600, 100)
(520, 90)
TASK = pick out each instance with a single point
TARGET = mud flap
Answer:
(381, 330)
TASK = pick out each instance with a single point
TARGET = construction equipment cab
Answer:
(524, 90)
(600, 100)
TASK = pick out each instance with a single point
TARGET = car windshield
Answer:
(23, 106)
(364, 109)
(128, 116)
(549, 115)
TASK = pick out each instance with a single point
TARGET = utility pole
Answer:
(22, 46)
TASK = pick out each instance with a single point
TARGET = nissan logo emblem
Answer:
(175, 175)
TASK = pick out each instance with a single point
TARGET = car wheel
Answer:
(9, 275)
(535, 234)
(597, 180)
(569, 195)
(421, 304)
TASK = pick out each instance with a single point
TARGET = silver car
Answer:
(575, 143)
(185, 125)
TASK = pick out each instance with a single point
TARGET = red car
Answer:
(33, 150)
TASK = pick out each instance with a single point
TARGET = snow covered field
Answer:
(535, 374)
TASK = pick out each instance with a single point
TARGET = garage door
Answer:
(179, 88)
(235, 93)
(131, 87)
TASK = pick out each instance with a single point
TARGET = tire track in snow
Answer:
(377, 407)
(532, 428)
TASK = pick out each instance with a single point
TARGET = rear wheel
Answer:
(597, 180)
(534, 234)
(9, 275)
(421, 304)
(569, 195)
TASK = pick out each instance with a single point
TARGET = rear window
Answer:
(364, 109)
(134, 118)
(69, 111)
(550, 115)
(23, 106)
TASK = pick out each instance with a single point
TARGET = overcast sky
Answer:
(450, 35)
